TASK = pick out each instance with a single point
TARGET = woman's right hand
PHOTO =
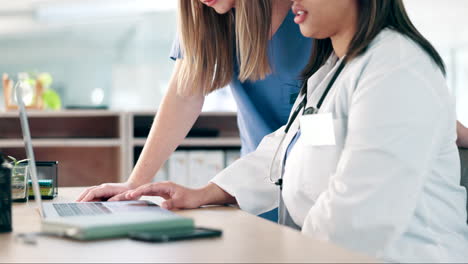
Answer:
(103, 192)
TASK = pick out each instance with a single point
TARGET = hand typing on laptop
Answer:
(176, 196)
(107, 191)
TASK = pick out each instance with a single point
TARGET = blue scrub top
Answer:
(264, 106)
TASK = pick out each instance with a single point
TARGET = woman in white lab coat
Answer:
(371, 164)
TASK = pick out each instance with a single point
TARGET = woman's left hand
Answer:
(176, 196)
(179, 197)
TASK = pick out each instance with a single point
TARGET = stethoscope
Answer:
(306, 111)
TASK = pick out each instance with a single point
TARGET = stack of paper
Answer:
(203, 166)
(162, 174)
(231, 157)
(195, 168)
(179, 169)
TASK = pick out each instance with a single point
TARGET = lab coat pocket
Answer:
(318, 130)
(313, 165)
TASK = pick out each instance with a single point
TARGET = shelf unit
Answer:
(212, 130)
(200, 142)
(89, 145)
(88, 142)
(96, 146)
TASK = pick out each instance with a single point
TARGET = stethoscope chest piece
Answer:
(310, 111)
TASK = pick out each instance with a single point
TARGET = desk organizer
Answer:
(47, 174)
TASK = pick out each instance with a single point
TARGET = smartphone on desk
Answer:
(168, 236)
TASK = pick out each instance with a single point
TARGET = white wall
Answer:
(444, 23)
(126, 57)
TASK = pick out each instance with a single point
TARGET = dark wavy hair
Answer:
(373, 17)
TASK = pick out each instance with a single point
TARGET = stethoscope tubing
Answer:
(308, 111)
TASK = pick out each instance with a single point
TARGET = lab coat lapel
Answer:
(315, 86)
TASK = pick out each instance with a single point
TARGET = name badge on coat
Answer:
(318, 130)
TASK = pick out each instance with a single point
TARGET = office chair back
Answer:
(464, 170)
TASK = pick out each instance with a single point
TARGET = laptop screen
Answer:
(28, 145)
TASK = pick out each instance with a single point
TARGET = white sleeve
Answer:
(248, 178)
(393, 125)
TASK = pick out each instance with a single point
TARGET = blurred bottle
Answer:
(28, 88)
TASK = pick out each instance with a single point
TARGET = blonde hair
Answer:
(208, 42)
(253, 31)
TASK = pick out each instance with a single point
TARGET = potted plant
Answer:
(37, 92)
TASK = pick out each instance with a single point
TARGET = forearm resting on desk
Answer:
(213, 194)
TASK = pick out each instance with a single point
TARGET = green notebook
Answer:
(113, 226)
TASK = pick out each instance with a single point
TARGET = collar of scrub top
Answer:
(306, 111)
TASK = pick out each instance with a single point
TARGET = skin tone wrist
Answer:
(134, 183)
(212, 194)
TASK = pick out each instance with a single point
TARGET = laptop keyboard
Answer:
(76, 209)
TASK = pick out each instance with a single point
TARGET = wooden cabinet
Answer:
(89, 145)
(94, 147)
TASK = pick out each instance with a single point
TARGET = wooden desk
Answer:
(246, 238)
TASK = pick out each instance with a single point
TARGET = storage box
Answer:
(47, 174)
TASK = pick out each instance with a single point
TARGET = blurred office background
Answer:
(100, 52)
(115, 52)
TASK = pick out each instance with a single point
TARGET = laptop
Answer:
(95, 220)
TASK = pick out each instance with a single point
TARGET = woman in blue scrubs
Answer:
(264, 105)
(264, 98)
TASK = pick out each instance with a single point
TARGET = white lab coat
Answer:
(391, 185)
